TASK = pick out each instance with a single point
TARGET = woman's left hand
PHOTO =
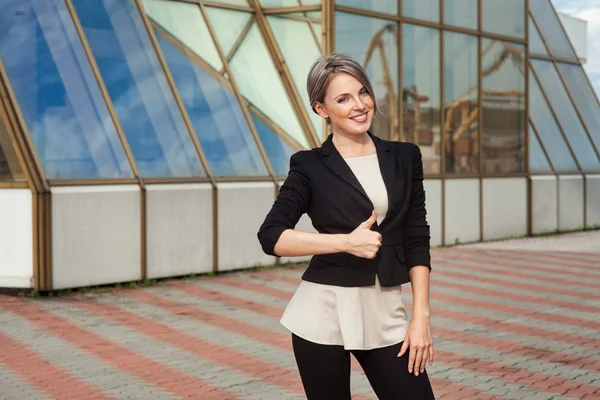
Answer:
(418, 339)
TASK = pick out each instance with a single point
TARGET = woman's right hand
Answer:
(363, 242)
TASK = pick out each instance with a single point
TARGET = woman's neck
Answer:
(353, 145)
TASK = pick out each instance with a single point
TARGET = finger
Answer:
(403, 348)
(418, 361)
(425, 353)
(369, 223)
(431, 355)
(411, 359)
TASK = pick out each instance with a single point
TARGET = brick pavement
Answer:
(511, 320)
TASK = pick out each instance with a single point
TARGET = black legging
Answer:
(325, 372)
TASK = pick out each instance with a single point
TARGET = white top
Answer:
(358, 318)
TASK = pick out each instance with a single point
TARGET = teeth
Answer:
(360, 117)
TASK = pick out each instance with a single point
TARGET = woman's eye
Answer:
(363, 92)
(341, 100)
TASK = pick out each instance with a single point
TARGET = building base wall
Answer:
(16, 238)
(179, 229)
(462, 213)
(96, 235)
(504, 207)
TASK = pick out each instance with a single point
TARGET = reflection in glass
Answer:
(288, 3)
(277, 149)
(536, 44)
(551, 29)
(503, 107)
(184, 21)
(300, 49)
(260, 82)
(217, 117)
(428, 10)
(373, 42)
(585, 100)
(505, 17)
(151, 121)
(421, 92)
(566, 114)
(538, 162)
(382, 6)
(460, 103)
(57, 93)
(461, 13)
(550, 133)
(10, 168)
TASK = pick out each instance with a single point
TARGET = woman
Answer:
(365, 198)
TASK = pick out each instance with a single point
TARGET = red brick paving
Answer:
(528, 261)
(508, 270)
(201, 348)
(143, 367)
(42, 375)
(454, 382)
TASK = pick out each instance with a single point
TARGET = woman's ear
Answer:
(320, 110)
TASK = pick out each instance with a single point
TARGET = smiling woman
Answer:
(365, 198)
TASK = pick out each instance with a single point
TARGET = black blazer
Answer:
(321, 184)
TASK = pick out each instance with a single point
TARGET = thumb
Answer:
(369, 223)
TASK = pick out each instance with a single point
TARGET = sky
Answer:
(588, 10)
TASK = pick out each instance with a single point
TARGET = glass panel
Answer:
(10, 168)
(428, 10)
(313, 19)
(260, 82)
(551, 29)
(374, 43)
(277, 149)
(300, 50)
(383, 6)
(503, 107)
(505, 17)
(222, 130)
(57, 93)
(550, 134)
(235, 22)
(538, 162)
(151, 121)
(461, 13)
(536, 44)
(421, 92)
(184, 21)
(584, 98)
(460, 103)
(289, 3)
(567, 116)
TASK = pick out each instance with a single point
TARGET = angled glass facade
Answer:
(166, 92)
(177, 89)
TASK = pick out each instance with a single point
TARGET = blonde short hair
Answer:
(326, 68)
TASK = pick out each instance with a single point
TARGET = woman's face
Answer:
(348, 105)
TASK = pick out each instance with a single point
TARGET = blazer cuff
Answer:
(268, 239)
(415, 259)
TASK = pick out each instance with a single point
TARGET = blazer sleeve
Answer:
(292, 201)
(416, 230)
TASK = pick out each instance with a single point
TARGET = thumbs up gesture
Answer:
(363, 242)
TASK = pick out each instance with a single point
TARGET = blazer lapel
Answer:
(334, 161)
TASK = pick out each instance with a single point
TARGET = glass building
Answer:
(148, 138)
